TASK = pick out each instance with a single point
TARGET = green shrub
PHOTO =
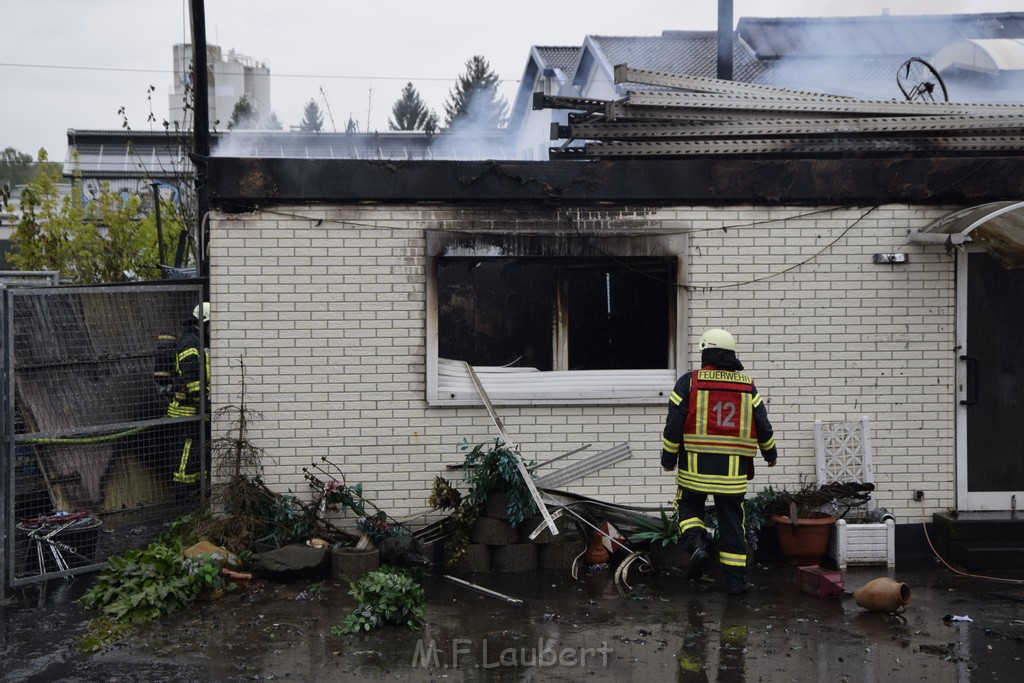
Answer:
(384, 597)
(141, 585)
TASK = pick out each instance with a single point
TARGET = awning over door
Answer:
(997, 227)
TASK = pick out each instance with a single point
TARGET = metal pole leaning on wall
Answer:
(523, 472)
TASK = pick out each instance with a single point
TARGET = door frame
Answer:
(966, 499)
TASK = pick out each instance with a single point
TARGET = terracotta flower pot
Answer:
(806, 542)
(882, 595)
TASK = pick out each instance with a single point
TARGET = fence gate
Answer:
(88, 452)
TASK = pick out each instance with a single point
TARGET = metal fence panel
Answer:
(88, 451)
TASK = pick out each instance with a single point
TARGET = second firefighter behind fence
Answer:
(187, 375)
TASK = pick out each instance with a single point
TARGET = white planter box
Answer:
(854, 544)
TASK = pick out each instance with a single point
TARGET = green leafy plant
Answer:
(444, 496)
(290, 520)
(493, 466)
(108, 237)
(659, 532)
(457, 527)
(141, 585)
(758, 509)
(384, 597)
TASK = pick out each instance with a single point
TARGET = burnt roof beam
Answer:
(754, 127)
(1006, 144)
(662, 98)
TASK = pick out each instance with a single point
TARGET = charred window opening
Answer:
(552, 313)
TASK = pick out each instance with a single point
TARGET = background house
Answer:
(980, 58)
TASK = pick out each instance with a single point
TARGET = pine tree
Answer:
(409, 111)
(312, 120)
(273, 123)
(474, 99)
(244, 115)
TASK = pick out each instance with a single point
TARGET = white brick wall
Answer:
(326, 307)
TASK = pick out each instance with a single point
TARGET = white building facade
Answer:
(231, 77)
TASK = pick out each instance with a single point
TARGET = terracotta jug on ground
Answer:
(882, 595)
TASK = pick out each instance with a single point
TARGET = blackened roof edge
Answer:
(242, 184)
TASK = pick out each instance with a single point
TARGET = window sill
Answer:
(528, 386)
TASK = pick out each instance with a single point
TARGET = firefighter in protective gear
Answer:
(717, 423)
(191, 366)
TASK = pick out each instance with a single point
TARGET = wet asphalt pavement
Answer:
(666, 629)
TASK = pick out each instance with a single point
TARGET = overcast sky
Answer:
(73, 63)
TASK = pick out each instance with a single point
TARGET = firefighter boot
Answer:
(698, 562)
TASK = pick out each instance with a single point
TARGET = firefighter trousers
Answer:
(732, 542)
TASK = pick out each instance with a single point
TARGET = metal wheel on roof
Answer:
(918, 80)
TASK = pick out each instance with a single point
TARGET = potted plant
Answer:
(802, 528)
(495, 481)
(498, 500)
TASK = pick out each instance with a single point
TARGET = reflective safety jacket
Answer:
(717, 422)
(187, 361)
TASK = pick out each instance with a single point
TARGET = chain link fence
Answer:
(89, 452)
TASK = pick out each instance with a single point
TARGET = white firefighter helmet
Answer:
(717, 338)
(202, 312)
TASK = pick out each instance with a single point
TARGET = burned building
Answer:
(856, 248)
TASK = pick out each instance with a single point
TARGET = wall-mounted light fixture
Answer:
(898, 257)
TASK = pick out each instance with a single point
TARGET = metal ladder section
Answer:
(692, 115)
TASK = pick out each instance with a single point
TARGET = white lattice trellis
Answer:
(843, 452)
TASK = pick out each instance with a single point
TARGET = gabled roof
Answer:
(681, 52)
(851, 56)
(563, 58)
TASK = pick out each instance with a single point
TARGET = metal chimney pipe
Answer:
(725, 39)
